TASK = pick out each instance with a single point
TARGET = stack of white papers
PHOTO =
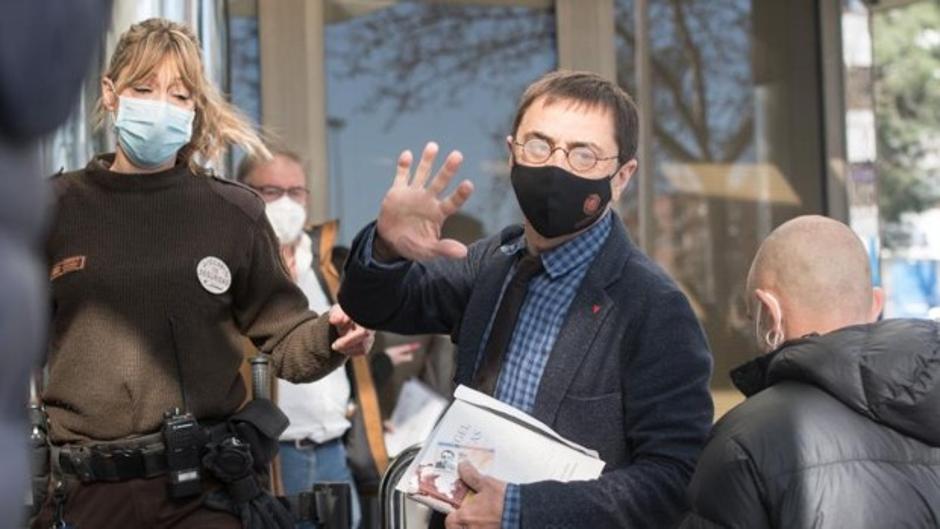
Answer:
(499, 441)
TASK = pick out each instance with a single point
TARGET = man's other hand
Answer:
(483, 509)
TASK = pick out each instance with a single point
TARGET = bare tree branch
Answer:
(740, 140)
(700, 103)
(416, 54)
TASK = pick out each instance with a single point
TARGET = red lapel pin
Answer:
(595, 309)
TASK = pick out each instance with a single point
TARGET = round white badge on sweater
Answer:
(214, 275)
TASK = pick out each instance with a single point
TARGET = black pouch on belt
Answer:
(240, 448)
(259, 424)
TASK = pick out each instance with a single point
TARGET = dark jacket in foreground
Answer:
(45, 52)
(847, 434)
(628, 375)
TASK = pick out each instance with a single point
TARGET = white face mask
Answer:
(287, 217)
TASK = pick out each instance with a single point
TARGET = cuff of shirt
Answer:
(366, 256)
(512, 507)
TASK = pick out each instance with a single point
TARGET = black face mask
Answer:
(557, 202)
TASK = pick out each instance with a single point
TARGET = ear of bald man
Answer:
(768, 320)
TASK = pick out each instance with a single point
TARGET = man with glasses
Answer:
(562, 317)
(311, 449)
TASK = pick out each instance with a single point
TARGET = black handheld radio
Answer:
(184, 439)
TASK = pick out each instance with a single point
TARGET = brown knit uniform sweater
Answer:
(127, 302)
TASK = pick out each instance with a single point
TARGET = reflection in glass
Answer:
(736, 145)
(244, 57)
(401, 75)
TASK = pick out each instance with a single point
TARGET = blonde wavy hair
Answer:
(217, 123)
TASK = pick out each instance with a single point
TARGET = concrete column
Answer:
(586, 36)
(293, 87)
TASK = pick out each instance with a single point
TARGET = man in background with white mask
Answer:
(840, 427)
(312, 448)
(282, 185)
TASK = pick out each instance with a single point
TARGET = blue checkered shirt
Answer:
(540, 320)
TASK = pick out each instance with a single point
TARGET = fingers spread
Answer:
(453, 203)
(404, 167)
(424, 166)
(446, 173)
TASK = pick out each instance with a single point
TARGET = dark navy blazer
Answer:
(628, 375)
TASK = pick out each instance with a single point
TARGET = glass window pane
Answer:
(244, 56)
(737, 146)
(402, 75)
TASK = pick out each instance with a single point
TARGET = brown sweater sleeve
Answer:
(273, 312)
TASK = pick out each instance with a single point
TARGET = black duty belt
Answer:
(144, 457)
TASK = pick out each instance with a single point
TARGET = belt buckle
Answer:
(306, 442)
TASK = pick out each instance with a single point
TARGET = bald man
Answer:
(841, 427)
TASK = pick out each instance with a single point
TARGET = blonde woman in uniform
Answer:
(158, 271)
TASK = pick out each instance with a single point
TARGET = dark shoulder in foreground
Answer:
(236, 193)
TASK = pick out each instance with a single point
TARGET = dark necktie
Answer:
(504, 324)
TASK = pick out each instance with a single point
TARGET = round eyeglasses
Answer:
(272, 193)
(537, 150)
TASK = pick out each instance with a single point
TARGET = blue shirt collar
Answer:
(561, 260)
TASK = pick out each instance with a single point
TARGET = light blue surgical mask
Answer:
(151, 132)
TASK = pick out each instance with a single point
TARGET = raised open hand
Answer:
(412, 213)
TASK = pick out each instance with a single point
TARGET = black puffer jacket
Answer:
(843, 432)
